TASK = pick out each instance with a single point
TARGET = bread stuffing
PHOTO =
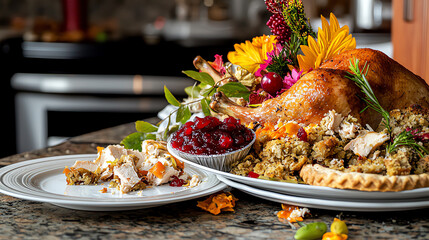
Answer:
(339, 143)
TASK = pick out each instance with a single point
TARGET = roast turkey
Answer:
(327, 88)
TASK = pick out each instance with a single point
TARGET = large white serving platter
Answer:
(376, 205)
(42, 180)
(305, 190)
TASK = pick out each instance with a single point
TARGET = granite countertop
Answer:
(254, 218)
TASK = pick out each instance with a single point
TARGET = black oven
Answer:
(60, 90)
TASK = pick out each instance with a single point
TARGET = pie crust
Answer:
(321, 176)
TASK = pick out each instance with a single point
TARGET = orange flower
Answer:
(250, 55)
(331, 40)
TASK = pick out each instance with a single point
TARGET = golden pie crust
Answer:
(321, 176)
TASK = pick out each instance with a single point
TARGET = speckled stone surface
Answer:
(253, 218)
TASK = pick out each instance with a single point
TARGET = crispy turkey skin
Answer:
(327, 88)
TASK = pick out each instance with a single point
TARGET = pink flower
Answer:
(218, 64)
(263, 66)
(291, 80)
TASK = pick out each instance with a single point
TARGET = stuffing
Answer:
(422, 166)
(397, 164)
(325, 147)
(413, 117)
(244, 166)
(366, 165)
(339, 143)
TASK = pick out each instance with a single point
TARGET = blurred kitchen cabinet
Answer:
(410, 35)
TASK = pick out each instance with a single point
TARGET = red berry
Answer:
(253, 174)
(209, 135)
(302, 134)
(176, 182)
(239, 140)
(279, 28)
(201, 123)
(187, 131)
(271, 83)
(231, 120)
(225, 141)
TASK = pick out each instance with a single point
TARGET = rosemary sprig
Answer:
(406, 138)
(293, 47)
(359, 77)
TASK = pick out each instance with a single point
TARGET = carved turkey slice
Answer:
(327, 88)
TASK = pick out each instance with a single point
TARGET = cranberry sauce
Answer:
(209, 135)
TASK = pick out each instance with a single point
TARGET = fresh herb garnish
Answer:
(279, 63)
(406, 138)
(292, 49)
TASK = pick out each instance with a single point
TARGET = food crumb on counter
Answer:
(218, 202)
(292, 213)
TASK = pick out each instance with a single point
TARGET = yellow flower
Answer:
(331, 40)
(250, 55)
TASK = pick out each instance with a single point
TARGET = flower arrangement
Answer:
(258, 69)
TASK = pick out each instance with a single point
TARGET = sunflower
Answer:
(331, 40)
(250, 55)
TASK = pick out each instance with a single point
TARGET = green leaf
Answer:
(173, 129)
(170, 98)
(145, 127)
(205, 105)
(186, 115)
(206, 91)
(193, 91)
(150, 136)
(200, 76)
(134, 141)
(180, 113)
(235, 89)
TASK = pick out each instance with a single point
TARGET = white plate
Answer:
(338, 205)
(305, 190)
(42, 180)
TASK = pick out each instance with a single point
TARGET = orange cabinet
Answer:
(410, 35)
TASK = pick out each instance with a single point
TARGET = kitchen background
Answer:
(69, 67)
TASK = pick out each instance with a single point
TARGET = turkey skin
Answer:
(327, 88)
